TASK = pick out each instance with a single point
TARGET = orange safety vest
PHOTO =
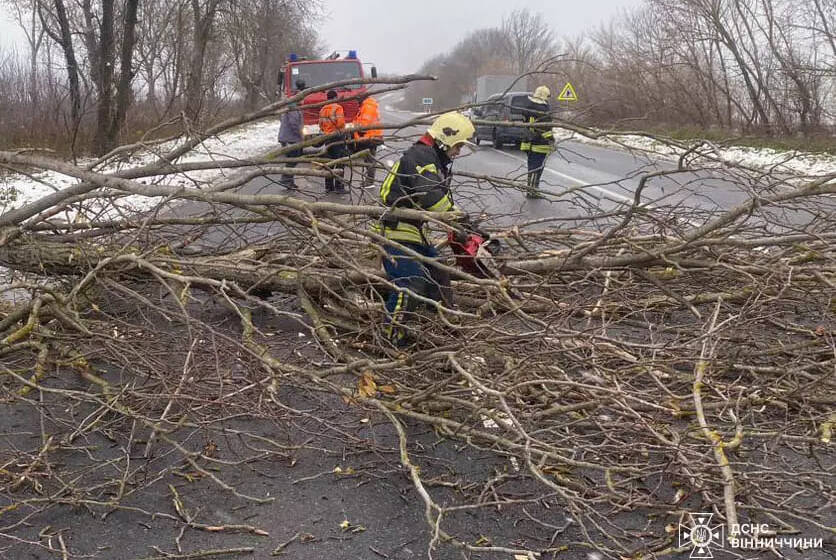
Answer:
(368, 115)
(331, 118)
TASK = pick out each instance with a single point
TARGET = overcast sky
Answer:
(399, 35)
(9, 31)
(406, 33)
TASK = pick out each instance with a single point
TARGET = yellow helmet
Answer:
(451, 129)
(542, 93)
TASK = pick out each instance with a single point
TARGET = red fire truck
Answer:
(317, 72)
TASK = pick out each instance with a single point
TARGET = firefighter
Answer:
(368, 115)
(539, 142)
(419, 180)
(332, 121)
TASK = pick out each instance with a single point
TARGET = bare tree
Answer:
(101, 35)
(484, 51)
(751, 65)
(62, 35)
(203, 21)
(26, 14)
(261, 33)
(154, 49)
(530, 39)
(126, 72)
(827, 12)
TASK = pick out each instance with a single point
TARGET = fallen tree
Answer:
(634, 363)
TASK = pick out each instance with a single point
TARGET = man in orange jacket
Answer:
(332, 121)
(370, 139)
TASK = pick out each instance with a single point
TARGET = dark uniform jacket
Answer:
(420, 180)
(537, 139)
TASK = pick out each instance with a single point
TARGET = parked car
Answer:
(499, 108)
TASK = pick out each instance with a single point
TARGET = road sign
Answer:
(427, 101)
(568, 93)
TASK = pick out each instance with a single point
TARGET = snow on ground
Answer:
(243, 142)
(799, 163)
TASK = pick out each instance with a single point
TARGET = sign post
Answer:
(427, 103)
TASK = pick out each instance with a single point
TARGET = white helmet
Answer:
(542, 93)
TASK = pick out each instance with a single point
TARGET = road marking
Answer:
(616, 196)
(608, 193)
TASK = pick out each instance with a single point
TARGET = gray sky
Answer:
(10, 33)
(399, 35)
(435, 26)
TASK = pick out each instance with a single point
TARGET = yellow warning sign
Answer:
(568, 93)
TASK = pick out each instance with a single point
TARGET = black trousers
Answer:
(370, 160)
(536, 162)
(288, 180)
(336, 181)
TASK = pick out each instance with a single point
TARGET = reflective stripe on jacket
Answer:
(420, 180)
(538, 140)
(368, 115)
(331, 118)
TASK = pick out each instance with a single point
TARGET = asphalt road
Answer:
(602, 180)
(609, 179)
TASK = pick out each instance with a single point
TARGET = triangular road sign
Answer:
(568, 93)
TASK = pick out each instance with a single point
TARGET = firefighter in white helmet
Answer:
(539, 142)
(420, 180)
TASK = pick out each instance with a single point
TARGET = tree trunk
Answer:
(35, 38)
(203, 22)
(103, 79)
(65, 40)
(825, 22)
(745, 71)
(39, 255)
(126, 74)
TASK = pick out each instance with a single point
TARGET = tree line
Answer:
(173, 63)
(753, 66)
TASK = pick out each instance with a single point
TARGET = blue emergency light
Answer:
(293, 57)
(352, 54)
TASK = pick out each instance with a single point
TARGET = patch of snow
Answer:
(805, 164)
(240, 143)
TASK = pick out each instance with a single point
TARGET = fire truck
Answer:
(318, 72)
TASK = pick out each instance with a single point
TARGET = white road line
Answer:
(616, 196)
(608, 193)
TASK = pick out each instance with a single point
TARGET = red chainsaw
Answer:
(474, 250)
